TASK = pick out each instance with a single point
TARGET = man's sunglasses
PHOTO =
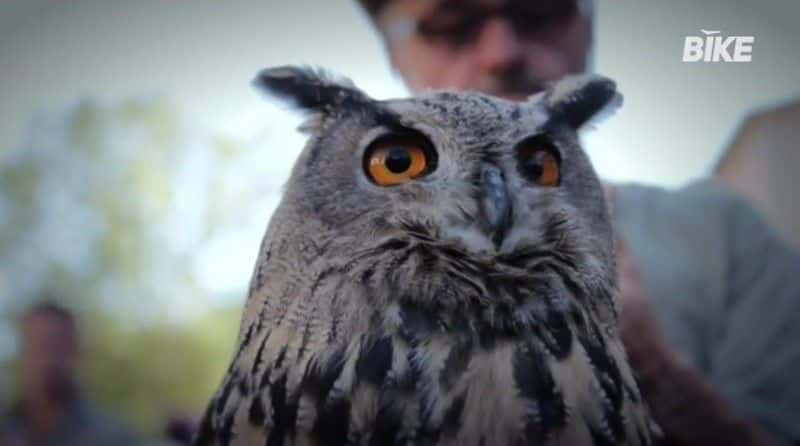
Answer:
(458, 23)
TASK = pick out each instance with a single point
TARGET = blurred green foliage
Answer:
(148, 375)
(106, 209)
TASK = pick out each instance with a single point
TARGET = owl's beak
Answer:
(495, 202)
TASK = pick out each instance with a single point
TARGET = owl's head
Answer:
(467, 171)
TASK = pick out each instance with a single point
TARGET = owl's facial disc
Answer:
(495, 203)
(463, 170)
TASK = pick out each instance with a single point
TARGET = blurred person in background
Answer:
(52, 410)
(709, 293)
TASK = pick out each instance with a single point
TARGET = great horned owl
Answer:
(439, 271)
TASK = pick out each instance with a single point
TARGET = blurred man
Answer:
(709, 293)
(52, 411)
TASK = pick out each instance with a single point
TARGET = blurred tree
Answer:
(85, 199)
(117, 211)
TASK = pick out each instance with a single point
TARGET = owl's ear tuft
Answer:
(583, 100)
(311, 89)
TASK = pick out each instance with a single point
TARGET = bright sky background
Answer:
(676, 119)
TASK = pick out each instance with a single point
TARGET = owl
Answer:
(439, 271)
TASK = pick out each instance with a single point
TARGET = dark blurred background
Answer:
(138, 168)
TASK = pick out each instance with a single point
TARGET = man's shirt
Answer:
(726, 290)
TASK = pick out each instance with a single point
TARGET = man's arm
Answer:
(682, 401)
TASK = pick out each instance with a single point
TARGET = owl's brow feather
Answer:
(383, 116)
(367, 109)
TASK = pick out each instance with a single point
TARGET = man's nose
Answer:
(498, 46)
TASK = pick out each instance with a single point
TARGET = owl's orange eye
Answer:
(397, 159)
(539, 162)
